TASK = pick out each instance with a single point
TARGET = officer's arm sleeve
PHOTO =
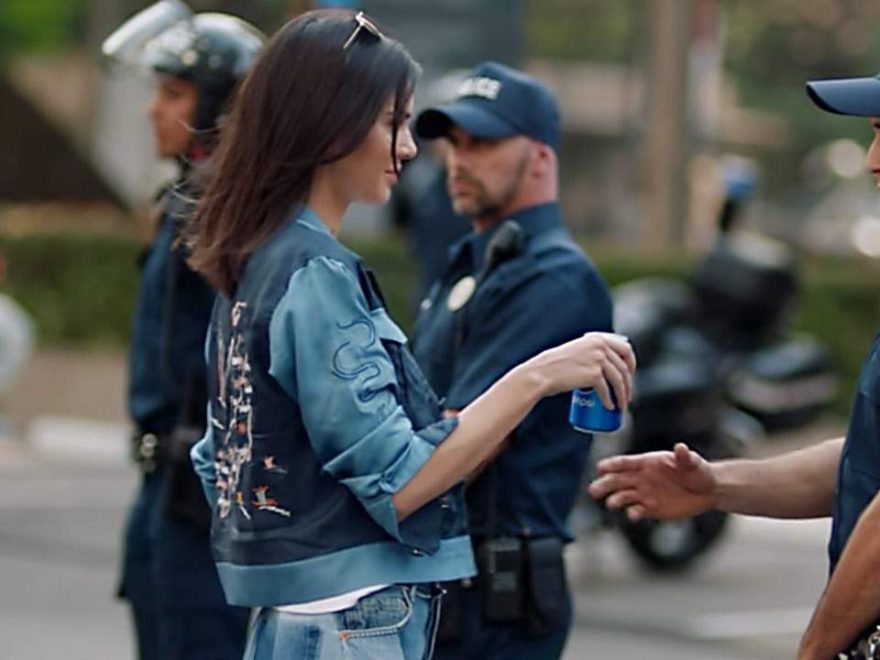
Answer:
(202, 455)
(514, 324)
(327, 353)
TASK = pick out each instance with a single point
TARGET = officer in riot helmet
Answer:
(168, 576)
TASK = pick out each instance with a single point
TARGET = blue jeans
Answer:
(397, 623)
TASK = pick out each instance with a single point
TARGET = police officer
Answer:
(514, 286)
(839, 477)
(168, 574)
(422, 209)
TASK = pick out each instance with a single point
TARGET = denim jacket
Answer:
(318, 415)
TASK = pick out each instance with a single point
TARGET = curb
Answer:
(77, 440)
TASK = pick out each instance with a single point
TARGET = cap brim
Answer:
(859, 97)
(436, 122)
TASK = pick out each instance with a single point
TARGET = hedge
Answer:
(80, 290)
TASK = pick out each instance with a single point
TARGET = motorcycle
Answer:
(719, 369)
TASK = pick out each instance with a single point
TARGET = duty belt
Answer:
(149, 450)
(867, 648)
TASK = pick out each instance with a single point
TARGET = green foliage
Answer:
(81, 290)
(841, 307)
(594, 30)
(395, 272)
(779, 45)
(38, 25)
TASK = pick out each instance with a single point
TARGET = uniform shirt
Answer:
(859, 472)
(543, 296)
(166, 350)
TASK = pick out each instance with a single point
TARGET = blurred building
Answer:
(84, 135)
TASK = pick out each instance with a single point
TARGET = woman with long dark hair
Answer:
(335, 479)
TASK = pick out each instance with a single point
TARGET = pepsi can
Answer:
(588, 415)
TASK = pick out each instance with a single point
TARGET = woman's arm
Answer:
(327, 353)
(594, 360)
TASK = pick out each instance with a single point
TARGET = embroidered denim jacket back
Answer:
(318, 414)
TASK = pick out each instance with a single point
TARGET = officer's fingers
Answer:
(623, 498)
(615, 464)
(635, 512)
(603, 486)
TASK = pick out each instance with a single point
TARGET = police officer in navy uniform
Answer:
(169, 576)
(839, 477)
(514, 286)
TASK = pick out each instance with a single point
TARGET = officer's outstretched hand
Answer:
(661, 484)
(599, 360)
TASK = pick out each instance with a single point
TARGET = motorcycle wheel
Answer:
(669, 546)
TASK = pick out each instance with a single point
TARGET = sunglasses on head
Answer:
(364, 25)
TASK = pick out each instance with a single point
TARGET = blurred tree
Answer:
(775, 46)
(39, 25)
(28, 26)
(593, 30)
(265, 14)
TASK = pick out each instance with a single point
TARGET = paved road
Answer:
(61, 512)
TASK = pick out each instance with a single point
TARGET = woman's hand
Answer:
(598, 360)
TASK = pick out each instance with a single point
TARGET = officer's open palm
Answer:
(662, 484)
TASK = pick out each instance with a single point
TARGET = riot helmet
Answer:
(213, 51)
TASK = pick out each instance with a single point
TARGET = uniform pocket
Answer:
(415, 393)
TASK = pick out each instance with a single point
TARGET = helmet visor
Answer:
(125, 46)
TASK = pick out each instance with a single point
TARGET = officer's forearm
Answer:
(482, 429)
(798, 484)
(851, 601)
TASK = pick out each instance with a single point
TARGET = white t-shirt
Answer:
(332, 604)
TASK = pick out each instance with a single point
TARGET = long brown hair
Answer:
(306, 102)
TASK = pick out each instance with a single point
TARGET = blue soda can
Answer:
(588, 415)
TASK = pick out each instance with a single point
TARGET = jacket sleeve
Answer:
(326, 352)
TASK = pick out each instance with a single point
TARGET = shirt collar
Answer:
(310, 219)
(533, 220)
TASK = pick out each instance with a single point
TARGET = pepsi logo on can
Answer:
(588, 415)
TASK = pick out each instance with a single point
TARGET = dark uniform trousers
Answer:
(179, 609)
(169, 577)
(483, 640)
